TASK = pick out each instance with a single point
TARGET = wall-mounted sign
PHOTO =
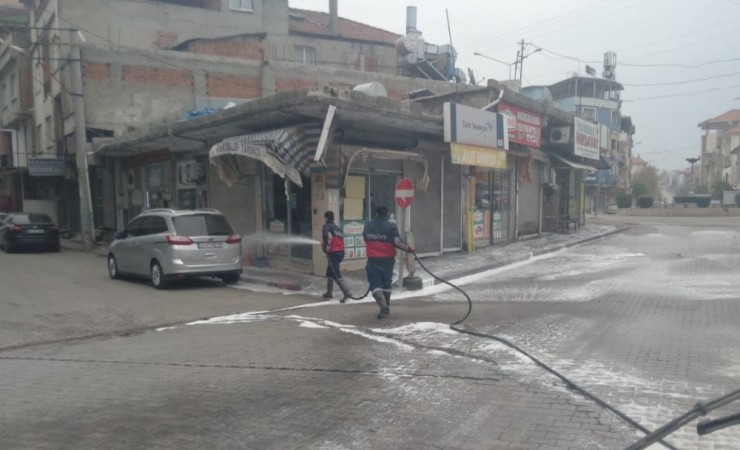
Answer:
(46, 167)
(586, 138)
(525, 127)
(467, 125)
(354, 244)
(471, 155)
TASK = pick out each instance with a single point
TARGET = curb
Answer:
(276, 284)
(520, 258)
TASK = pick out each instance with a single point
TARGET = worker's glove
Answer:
(411, 250)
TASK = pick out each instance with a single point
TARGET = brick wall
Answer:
(286, 84)
(233, 86)
(96, 71)
(152, 75)
(234, 49)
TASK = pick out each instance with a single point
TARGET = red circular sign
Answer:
(404, 193)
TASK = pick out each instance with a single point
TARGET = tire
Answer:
(113, 267)
(230, 278)
(9, 248)
(158, 278)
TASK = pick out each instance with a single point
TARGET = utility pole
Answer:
(87, 227)
(520, 59)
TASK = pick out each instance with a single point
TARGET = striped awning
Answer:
(287, 152)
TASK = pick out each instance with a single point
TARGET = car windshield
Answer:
(29, 219)
(202, 225)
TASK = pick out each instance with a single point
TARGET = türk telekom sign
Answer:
(472, 126)
(586, 137)
(525, 127)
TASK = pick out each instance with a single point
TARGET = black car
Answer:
(28, 230)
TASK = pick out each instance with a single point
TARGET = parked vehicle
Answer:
(612, 209)
(165, 244)
(28, 230)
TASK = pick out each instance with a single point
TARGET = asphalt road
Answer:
(646, 320)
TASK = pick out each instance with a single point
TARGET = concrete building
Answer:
(16, 130)
(144, 63)
(597, 100)
(276, 178)
(719, 151)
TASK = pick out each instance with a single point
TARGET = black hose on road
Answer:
(570, 384)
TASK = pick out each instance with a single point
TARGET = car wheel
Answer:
(113, 267)
(230, 278)
(9, 247)
(158, 279)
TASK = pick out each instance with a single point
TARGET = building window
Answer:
(242, 5)
(588, 114)
(305, 55)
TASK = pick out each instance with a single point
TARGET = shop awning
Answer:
(572, 164)
(286, 152)
(529, 152)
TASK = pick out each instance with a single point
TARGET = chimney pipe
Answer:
(411, 19)
(334, 17)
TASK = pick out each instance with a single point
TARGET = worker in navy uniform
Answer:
(332, 243)
(381, 241)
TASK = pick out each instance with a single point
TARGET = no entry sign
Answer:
(404, 193)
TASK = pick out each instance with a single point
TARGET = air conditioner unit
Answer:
(559, 135)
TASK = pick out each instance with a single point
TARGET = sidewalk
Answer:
(448, 266)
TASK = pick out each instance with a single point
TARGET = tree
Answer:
(719, 187)
(639, 189)
(648, 177)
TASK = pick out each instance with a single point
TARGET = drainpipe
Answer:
(333, 17)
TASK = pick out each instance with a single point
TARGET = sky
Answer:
(679, 60)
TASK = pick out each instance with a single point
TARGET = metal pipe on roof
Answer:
(334, 17)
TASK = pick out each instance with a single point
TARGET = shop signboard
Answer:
(472, 126)
(524, 127)
(46, 167)
(587, 137)
(471, 155)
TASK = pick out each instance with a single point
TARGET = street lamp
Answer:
(497, 60)
(692, 161)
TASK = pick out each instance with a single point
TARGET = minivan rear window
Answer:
(26, 219)
(202, 225)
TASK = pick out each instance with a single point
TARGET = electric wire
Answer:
(570, 384)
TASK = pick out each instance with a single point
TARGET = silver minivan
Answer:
(167, 244)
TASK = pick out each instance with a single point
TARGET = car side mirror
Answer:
(121, 234)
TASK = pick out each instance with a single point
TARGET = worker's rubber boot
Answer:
(380, 300)
(345, 290)
(329, 288)
(387, 295)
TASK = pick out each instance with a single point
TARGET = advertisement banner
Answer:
(472, 126)
(354, 243)
(525, 127)
(587, 137)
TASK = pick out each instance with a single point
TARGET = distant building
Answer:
(719, 149)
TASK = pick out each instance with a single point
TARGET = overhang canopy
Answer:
(561, 162)
(356, 112)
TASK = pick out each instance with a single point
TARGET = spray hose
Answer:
(570, 384)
